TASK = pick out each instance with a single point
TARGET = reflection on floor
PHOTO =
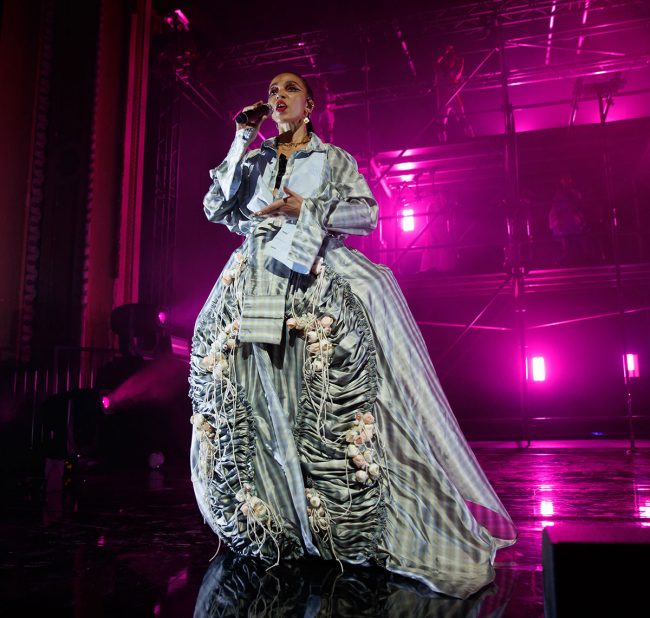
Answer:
(131, 543)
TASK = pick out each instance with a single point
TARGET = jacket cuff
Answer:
(308, 238)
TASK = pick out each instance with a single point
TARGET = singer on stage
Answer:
(320, 427)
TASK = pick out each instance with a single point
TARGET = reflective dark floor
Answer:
(131, 543)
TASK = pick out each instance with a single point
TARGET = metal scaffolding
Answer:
(512, 45)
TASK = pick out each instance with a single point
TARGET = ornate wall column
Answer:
(21, 30)
(105, 174)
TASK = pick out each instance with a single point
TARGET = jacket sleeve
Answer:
(222, 203)
(344, 206)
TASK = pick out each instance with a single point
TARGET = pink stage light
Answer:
(538, 369)
(183, 19)
(162, 317)
(632, 363)
(106, 402)
(408, 220)
(642, 503)
(546, 508)
(644, 513)
(644, 510)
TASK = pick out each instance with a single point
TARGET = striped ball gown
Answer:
(320, 427)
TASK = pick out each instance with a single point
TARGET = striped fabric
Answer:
(340, 203)
(432, 515)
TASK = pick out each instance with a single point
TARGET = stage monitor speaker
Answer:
(596, 570)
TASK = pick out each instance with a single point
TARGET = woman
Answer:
(320, 427)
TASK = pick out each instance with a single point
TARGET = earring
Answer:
(306, 119)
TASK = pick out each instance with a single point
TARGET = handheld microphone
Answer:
(254, 114)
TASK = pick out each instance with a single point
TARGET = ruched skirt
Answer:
(338, 442)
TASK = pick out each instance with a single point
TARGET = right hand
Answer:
(258, 123)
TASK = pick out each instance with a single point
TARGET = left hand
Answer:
(289, 205)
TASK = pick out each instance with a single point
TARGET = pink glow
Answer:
(550, 33)
(644, 510)
(581, 39)
(408, 220)
(180, 347)
(407, 166)
(642, 503)
(546, 524)
(106, 402)
(162, 317)
(177, 581)
(100, 541)
(632, 362)
(406, 177)
(156, 382)
(182, 18)
(538, 369)
(546, 508)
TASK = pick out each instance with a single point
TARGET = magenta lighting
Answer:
(180, 347)
(408, 220)
(631, 361)
(182, 18)
(162, 317)
(546, 508)
(550, 33)
(106, 402)
(538, 366)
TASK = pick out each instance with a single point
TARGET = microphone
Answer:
(254, 114)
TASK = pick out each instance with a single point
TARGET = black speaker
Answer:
(596, 570)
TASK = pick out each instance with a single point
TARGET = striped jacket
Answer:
(337, 202)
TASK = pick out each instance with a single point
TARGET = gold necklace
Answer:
(293, 144)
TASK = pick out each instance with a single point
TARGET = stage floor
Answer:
(131, 543)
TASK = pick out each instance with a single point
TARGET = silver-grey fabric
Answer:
(337, 200)
(275, 414)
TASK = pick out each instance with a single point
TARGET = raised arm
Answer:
(222, 202)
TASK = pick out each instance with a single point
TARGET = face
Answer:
(288, 98)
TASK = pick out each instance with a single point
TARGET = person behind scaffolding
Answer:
(326, 117)
(568, 224)
(448, 71)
